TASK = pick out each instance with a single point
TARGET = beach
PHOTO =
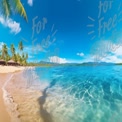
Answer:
(18, 103)
(4, 116)
(5, 73)
(46, 94)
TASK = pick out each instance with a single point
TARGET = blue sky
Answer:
(67, 30)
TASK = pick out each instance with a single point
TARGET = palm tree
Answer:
(23, 56)
(23, 59)
(20, 46)
(8, 57)
(4, 52)
(19, 59)
(15, 57)
(11, 6)
(12, 49)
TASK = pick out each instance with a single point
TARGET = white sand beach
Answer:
(4, 75)
(17, 102)
(10, 69)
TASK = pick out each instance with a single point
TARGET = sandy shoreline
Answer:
(17, 102)
(4, 116)
(5, 73)
(10, 69)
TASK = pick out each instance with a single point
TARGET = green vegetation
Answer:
(4, 54)
(20, 46)
(118, 63)
(11, 6)
(16, 57)
(39, 64)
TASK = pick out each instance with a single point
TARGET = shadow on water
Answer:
(44, 114)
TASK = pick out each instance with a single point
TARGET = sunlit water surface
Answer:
(82, 94)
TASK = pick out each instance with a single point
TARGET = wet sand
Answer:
(4, 116)
(26, 98)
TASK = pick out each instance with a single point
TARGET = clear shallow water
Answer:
(83, 94)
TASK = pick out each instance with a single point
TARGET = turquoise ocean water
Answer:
(82, 94)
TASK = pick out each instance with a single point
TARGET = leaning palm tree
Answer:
(11, 6)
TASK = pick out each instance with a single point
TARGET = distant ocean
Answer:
(82, 93)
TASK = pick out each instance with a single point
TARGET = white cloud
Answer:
(104, 51)
(80, 54)
(56, 59)
(116, 55)
(30, 2)
(13, 25)
(107, 51)
(118, 51)
(112, 59)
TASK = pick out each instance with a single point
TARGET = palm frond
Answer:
(20, 9)
(6, 8)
